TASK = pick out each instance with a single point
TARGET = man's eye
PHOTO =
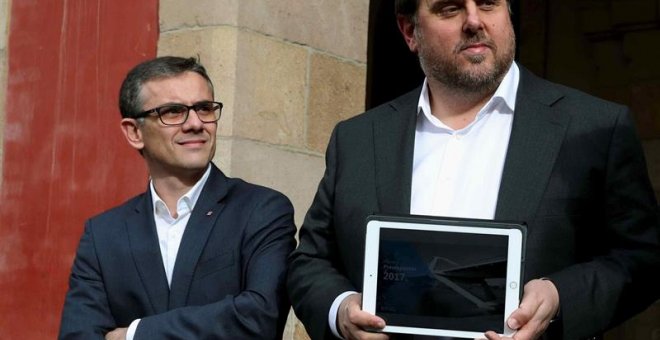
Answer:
(449, 10)
(172, 110)
(487, 5)
(204, 107)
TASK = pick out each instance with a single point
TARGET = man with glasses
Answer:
(198, 255)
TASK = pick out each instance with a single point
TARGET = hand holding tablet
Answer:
(442, 277)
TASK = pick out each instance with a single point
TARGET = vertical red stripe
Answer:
(64, 156)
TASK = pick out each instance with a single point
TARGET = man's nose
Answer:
(473, 21)
(193, 122)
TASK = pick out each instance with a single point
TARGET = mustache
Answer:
(478, 38)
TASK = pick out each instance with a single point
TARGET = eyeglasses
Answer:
(177, 114)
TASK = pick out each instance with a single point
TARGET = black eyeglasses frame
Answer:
(196, 106)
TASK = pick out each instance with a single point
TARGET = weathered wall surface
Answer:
(64, 158)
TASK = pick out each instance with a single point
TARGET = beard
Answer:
(476, 77)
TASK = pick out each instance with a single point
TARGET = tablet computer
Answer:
(442, 276)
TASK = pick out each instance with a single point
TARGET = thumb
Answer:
(519, 317)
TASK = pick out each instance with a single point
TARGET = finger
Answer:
(522, 318)
(490, 335)
(364, 335)
(517, 319)
(540, 301)
(524, 313)
(354, 332)
(526, 333)
(363, 319)
(359, 317)
(353, 320)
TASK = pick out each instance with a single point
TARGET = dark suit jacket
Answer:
(574, 172)
(228, 279)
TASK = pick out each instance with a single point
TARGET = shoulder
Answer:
(112, 221)
(257, 208)
(567, 99)
(120, 211)
(241, 187)
(585, 116)
(403, 105)
(393, 117)
(250, 196)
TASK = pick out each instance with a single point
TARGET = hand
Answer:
(540, 304)
(117, 334)
(352, 320)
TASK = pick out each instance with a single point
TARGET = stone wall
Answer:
(286, 72)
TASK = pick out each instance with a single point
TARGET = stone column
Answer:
(286, 71)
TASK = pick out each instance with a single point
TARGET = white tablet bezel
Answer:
(516, 236)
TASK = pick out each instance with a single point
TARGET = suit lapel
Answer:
(394, 141)
(201, 222)
(143, 242)
(536, 137)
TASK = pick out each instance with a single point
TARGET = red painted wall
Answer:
(64, 156)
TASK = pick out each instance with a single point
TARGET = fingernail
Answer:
(513, 324)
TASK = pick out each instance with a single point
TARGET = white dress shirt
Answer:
(457, 173)
(170, 230)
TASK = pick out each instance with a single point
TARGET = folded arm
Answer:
(258, 311)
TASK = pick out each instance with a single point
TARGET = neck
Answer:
(172, 187)
(454, 107)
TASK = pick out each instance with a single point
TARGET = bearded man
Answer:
(484, 138)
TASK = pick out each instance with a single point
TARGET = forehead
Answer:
(446, 9)
(185, 88)
(428, 3)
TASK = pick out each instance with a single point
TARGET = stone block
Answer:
(300, 333)
(336, 92)
(294, 329)
(336, 26)
(177, 14)
(223, 154)
(216, 48)
(295, 174)
(4, 23)
(271, 77)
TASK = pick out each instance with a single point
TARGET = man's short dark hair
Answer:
(130, 102)
(407, 8)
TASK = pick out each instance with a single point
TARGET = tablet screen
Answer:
(437, 276)
(433, 279)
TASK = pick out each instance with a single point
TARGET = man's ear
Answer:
(407, 29)
(131, 129)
